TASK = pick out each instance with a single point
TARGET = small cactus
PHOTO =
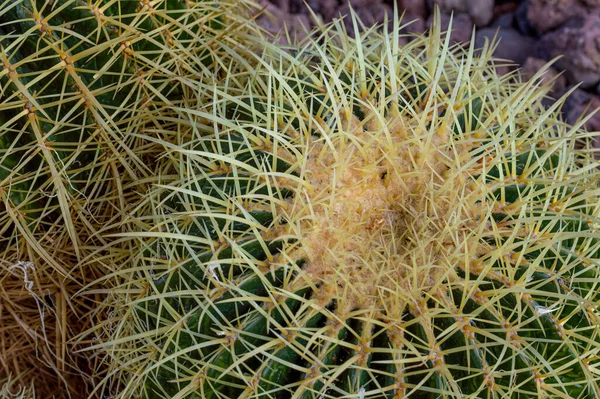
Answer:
(356, 219)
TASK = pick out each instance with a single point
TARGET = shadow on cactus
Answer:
(370, 221)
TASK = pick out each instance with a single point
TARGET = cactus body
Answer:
(370, 221)
(78, 80)
(76, 76)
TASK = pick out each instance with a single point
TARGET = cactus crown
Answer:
(360, 219)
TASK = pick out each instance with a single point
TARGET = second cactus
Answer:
(366, 220)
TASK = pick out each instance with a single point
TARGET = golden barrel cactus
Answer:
(352, 218)
(78, 80)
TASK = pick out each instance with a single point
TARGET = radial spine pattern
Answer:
(371, 221)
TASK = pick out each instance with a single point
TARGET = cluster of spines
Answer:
(519, 321)
(244, 335)
(78, 81)
(76, 74)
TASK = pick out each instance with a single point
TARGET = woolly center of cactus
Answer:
(390, 212)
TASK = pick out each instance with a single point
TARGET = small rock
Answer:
(415, 8)
(356, 4)
(544, 15)
(367, 15)
(578, 41)
(314, 5)
(417, 24)
(522, 22)
(533, 65)
(481, 11)
(505, 21)
(446, 6)
(283, 5)
(505, 7)
(274, 20)
(416, 13)
(579, 104)
(511, 44)
(462, 26)
(329, 9)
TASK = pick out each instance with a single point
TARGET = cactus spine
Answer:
(351, 219)
(78, 80)
(359, 219)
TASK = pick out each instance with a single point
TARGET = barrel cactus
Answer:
(77, 80)
(77, 76)
(352, 218)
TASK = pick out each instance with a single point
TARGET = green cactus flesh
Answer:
(79, 79)
(371, 221)
(76, 77)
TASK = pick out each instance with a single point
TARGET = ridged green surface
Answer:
(81, 83)
(368, 221)
(77, 78)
